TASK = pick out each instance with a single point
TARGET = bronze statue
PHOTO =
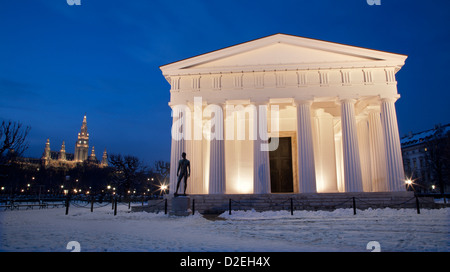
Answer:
(183, 171)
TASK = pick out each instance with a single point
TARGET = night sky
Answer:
(59, 62)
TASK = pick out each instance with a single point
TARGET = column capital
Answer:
(392, 99)
(346, 100)
(373, 109)
(260, 103)
(197, 101)
(174, 104)
(223, 105)
(299, 102)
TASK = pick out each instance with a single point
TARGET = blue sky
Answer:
(102, 58)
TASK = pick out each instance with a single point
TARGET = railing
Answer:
(88, 202)
(159, 205)
(292, 204)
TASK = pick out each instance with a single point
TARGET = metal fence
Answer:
(88, 202)
(159, 205)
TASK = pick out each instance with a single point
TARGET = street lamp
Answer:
(409, 183)
(162, 188)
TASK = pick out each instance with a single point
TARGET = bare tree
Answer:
(128, 171)
(13, 138)
(162, 168)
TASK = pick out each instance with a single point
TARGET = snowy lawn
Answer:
(340, 230)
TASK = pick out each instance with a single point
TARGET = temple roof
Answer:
(283, 52)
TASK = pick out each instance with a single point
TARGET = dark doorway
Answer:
(281, 177)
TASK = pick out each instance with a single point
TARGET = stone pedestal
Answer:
(181, 206)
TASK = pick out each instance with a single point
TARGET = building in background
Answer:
(426, 159)
(62, 158)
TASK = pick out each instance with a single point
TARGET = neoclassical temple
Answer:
(287, 114)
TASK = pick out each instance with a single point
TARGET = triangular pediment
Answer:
(280, 52)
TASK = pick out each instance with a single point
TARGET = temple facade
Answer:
(287, 114)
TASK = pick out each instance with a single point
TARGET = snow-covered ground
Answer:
(340, 230)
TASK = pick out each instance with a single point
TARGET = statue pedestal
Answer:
(181, 206)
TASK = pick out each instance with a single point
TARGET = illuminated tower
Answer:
(46, 155)
(62, 152)
(92, 157)
(104, 159)
(82, 144)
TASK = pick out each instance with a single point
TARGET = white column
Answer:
(188, 148)
(261, 167)
(377, 152)
(194, 147)
(364, 153)
(352, 162)
(178, 144)
(324, 152)
(217, 154)
(339, 159)
(394, 162)
(306, 169)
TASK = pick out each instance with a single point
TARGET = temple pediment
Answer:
(284, 52)
(280, 54)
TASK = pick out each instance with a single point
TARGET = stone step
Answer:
(319, 201)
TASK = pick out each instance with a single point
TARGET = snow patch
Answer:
(339, 230)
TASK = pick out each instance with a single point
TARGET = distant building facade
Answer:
(62, 158)
(424, 155)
